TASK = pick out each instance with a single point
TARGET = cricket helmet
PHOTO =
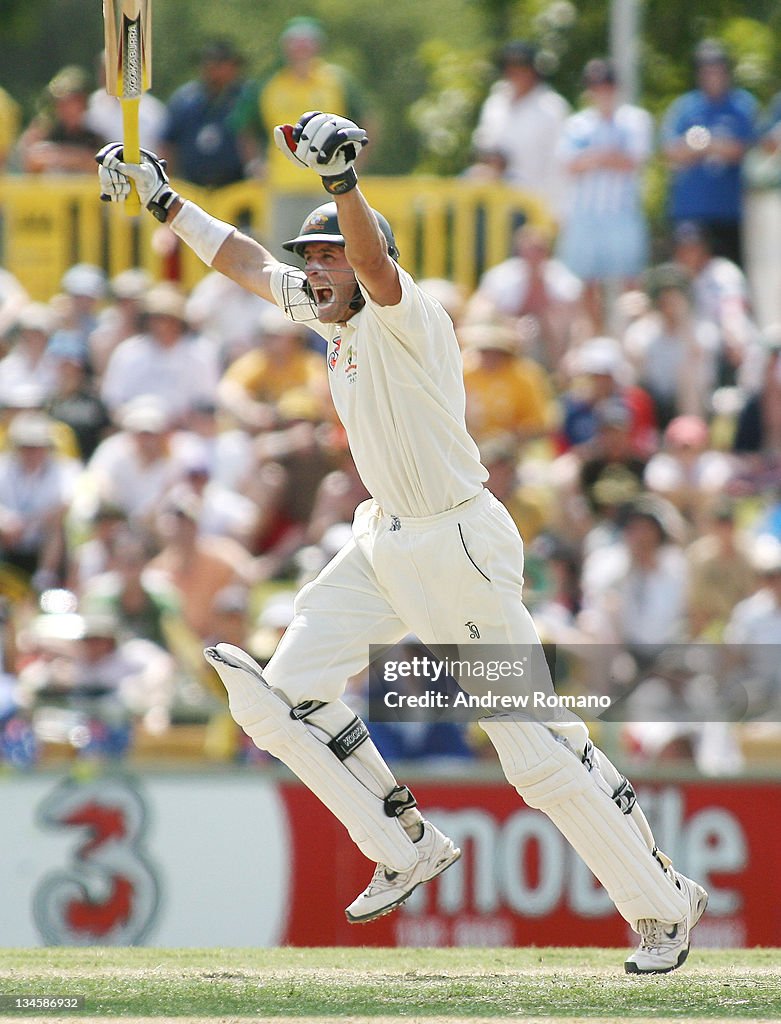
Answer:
(322, 225)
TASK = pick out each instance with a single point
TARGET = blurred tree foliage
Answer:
(425, 67)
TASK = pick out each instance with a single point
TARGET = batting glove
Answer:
(149, 177)
(325, 143)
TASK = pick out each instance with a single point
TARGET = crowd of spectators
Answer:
(172, 469)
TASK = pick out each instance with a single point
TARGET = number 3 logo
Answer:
(109, 894)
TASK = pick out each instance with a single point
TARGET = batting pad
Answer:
(266, 719)
(551, 778)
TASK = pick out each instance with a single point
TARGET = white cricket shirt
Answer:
(396, 379)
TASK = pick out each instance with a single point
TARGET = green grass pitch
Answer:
(433, 986)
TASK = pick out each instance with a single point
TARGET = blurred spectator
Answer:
(290, 464)
(635, 592)
(720, 293)
(609, 462)
(121, 318)
(86, 688)
(197, 566)
(532, 286)
(599, 370)
(720, 572)
(199, 139)
(73, 400)
(758, 428)
(603, 150)
(754, 628)
(166, 359)
(104, 113)
(83, 288)
(93, 552)
(223, 511)
(674, 353)
(10, 122)
(140, 600)
(501, 454)
(36, 488)
(223, 310)
(338, 495)
(305, 81)
(506, 393)
(687, 471)
(280, 361)
(58, 140)
(133, 468)
(519, 125)
(705, 136)
(28, 363)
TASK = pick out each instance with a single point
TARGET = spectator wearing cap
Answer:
(603, 150)
(598, 369)
(134, 467)
(305, 81)
(506, 392)
(199, 139)
(121, 317)
(73, 400)
(36, 487)
(519, 125)
(83, 288)
(705, 135)
(635, 592)
(688, 471)
(720, 295)
(281, 360)
(536, 289)
(58, 140)
(674, 352)
(224, 512)
(721, 574)
(28, 364)
(167, 360)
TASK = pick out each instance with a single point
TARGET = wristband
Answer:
(202, 232)
(338, 184)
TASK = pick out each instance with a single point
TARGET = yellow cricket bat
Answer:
(128, 28)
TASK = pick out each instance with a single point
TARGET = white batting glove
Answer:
(149, 177)
(325, 143)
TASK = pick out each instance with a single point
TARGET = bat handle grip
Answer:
(131, 150)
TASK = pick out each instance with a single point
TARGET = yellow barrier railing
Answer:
(445, 227)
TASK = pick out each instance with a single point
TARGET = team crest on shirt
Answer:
(351, 364)
(333, 358)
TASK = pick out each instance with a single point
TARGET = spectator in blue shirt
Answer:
(705, 135)
(199, 142)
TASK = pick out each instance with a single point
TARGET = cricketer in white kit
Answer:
(433, 553)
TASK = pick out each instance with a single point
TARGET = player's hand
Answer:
(149, 177)
(325, 143)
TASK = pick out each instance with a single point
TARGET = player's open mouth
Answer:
(324, 296)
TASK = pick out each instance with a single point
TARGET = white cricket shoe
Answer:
(663, 947)
(388, 889)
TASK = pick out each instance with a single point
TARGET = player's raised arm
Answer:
(329, 145)
(218, 244)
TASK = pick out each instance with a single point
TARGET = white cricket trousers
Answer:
(452, 578)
